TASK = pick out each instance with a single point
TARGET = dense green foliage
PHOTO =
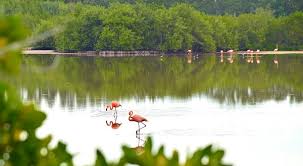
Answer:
(234, 7)
(151, 26)
(147, 156)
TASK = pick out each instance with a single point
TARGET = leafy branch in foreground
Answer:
(18, 121)
(146, 156)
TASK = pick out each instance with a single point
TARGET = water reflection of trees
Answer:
(75, 78)
(243, 96)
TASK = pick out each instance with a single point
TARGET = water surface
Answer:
(249, 105)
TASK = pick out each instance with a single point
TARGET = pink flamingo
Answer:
(230, 51)
(137, 118)
(114, 104)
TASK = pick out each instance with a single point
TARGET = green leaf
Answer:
(100, 161)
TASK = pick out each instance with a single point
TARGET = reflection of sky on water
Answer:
(267, 133)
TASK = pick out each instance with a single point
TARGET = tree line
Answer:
(150, 26)
(218, 7)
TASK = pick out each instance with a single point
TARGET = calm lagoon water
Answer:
(252, 110)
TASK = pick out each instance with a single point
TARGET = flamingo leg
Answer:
(139, 128)
(115, 115)
(139, 137)
(138, 131)
(143, 126)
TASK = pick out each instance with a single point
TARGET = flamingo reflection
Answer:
(258, 59)
(276, 62)
(250, 57)
(230, 59)
(189, 56)
(113, 125)
(221, 56)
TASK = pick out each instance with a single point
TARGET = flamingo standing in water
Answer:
(137, 118)
(114, 104)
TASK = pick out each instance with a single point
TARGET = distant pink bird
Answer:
(230, 51)
(137, 118)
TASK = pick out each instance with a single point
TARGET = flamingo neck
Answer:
(130, 118)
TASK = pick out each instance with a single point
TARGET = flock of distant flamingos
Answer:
(250, 56)
(248, 52)
(133, 118)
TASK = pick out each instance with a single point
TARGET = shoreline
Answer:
(270, 52)
(93, 53)
(141, 53)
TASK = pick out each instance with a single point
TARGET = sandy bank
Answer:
(93, 53)
(136, 53)
(271, 52)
